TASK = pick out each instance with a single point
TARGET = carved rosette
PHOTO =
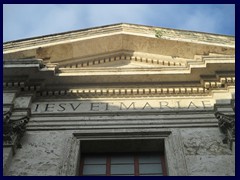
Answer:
(227, 127)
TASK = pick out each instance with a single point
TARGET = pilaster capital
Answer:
(226, 122)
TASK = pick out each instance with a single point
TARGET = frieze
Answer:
(121, 105)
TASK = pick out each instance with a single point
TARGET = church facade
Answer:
(119, 100)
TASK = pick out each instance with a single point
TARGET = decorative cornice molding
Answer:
(24, 62)
(129, 92)
(159, 64)
(22, 86)
(219, 83)
(221, 80)
(118, 92)
(122, 57)
(150, 31)
(144, 58)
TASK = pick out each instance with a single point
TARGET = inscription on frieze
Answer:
(118, 106)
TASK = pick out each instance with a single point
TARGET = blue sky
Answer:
(30, 20)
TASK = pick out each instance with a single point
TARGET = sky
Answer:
(30, 20)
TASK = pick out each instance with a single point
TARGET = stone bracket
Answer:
(16, 115)
(226, 122)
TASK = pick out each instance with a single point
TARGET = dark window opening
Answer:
(123, 164)
(123, 157)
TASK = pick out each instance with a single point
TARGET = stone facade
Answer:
(119, 88)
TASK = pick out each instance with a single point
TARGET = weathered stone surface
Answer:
(40, 155)
(175, 156)
(8, 98)
(211, 165)
(22, 102)
(204, 142)
(205, 153)
(7, 158)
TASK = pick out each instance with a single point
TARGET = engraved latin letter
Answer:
(62, 106)
(74, 108)
(206, 104)
(178, 104)
(36, 108)
(107, 106)
(164, 104)
(94, 105)
(49, 107)
(122, 104)
(192, 104)
(147, 105)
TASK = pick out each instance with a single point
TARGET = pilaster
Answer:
(16, 113)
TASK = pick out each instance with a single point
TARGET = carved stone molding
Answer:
(13, 130)
(172, 34)
(93, 62)
(129, 92)
(175, 157)
(22, 85)
(16, 114)
(157, 63)
(204, 89)
(221, 83)
(221, 80)
(21, 62)
(121, 92)
(226, 124)
(69, 163)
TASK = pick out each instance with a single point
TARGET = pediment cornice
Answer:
(151, 31)
(120, 37)
(165, 69)
(159, 60)
(141, 62)
(52, 86)
(123, 59)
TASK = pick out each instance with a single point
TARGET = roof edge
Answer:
(126, 28)
(116, 24)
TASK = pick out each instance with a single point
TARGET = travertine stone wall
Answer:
(7, 158)
(206, 154)
(40, 155)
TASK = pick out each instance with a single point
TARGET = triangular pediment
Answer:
(79, 44)
(126, 53)
(124, 64)
(123, 60)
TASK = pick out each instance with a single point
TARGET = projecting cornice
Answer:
(151, 31)
(101, 61)
(119, 37)
(140, 63)
(47, 81)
